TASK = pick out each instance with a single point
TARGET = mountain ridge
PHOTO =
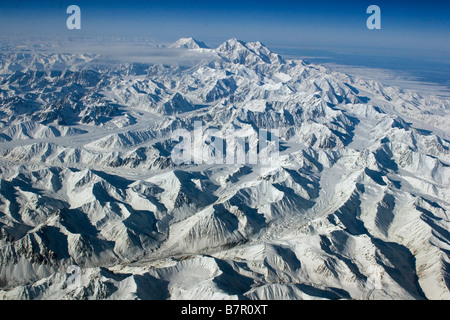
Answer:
(355, 207)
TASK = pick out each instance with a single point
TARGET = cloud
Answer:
(402, 79)
(147, 54)
(128, 51)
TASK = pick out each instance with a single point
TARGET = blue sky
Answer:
(405, 24)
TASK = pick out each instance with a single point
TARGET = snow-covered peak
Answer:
(189, 43)
(231, 44)
(241, 52)
(89, 179)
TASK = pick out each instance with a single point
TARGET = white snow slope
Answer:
(93, 206)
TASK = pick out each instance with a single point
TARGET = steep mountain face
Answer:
(94, 203)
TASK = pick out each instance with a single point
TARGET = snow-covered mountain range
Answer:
(93, 205)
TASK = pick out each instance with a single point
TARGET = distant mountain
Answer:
(188, 43)
(127, 181)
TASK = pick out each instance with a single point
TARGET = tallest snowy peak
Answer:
(231, 44)
(242, 52)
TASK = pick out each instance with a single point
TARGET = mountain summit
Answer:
(241, 52)
(189, 43)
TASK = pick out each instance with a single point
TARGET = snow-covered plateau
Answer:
(93, 205)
